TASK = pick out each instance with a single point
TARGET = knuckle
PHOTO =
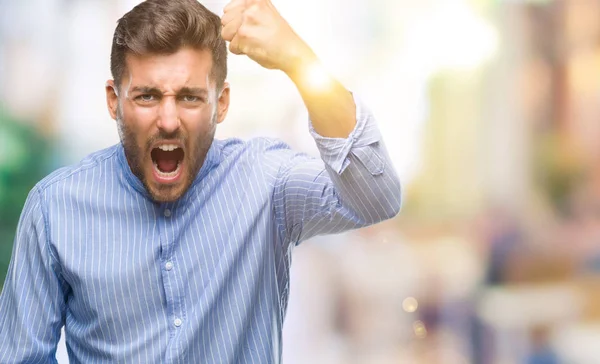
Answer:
(246, 16)
(243, 32)
(251, 13)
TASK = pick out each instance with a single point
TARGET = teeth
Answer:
(168, 147)
(167, 175)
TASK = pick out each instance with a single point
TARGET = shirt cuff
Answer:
(335, 151)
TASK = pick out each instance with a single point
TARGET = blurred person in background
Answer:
(542, 351)
(172, 246)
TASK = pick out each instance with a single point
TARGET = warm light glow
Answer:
(410, 304)
(317, 77)
(419, 329)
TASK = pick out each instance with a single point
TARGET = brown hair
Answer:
(165, 26)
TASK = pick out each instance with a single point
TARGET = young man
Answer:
(173, 247)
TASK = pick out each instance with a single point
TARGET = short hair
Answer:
(164, 27)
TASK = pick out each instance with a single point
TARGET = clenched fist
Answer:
(255, 28)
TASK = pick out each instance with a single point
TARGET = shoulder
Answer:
(257, 145)
(255, 150)
(87, 166)
(265, 155)
(54, 187)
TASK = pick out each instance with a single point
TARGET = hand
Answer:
(255, 28)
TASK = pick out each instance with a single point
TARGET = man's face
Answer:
(167, 110)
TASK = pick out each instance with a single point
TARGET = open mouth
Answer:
(167, 160)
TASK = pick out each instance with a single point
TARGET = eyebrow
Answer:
(196, 91)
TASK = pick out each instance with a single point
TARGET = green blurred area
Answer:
(25, 158)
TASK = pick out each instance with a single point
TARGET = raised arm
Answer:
(354, 184)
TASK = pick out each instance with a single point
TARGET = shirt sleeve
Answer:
(32, 302)
(353, 184)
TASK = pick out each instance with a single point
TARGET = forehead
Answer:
(168, 71)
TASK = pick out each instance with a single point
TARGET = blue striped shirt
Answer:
(200, 280)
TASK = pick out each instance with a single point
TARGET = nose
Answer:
(168, 117)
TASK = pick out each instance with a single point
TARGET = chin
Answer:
(163, 198)
(162, 192)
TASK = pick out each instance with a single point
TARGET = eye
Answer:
(146, 98)
(190, 98)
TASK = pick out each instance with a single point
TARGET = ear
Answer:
(112, 99)
(223, 103)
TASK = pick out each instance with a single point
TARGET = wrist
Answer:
(310, 75)
(299, 61)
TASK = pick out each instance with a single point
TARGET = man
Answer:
(172, 247)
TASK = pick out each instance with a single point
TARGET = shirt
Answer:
(203, 279)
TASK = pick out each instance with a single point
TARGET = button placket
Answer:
(174, 299)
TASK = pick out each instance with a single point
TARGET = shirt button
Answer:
(169, 265)
(167, 213)
(177, 322)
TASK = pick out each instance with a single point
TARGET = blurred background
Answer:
(490, 110)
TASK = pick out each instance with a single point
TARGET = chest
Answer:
(129, 252)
